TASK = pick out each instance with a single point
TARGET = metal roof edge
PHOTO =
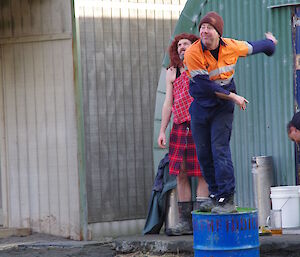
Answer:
(282, 5)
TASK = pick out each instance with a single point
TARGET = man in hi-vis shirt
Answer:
(210, 64)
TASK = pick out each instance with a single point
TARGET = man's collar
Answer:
(221, 42)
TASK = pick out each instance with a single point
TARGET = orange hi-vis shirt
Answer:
(199, 61)
(208, 75)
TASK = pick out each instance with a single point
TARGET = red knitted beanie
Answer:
(215, 20)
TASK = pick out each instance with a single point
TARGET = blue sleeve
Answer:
(201, 86)
(266, 46)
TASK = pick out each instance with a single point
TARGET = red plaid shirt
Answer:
(182, 99)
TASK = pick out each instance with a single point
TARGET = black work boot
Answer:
(225, 205)
(206, 205)
(185, 226)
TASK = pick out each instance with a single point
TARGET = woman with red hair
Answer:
(182, 151)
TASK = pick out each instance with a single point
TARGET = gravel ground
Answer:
(90, 251)
(42, 245)
(47, 252)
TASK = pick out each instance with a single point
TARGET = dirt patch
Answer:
(140, 254)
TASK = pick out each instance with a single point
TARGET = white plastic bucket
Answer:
(287, 199)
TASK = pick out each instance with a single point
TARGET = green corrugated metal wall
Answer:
(266, 82)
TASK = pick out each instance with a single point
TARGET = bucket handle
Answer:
(268, 223)
(285, 203)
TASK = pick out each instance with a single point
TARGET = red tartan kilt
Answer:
(181, 140)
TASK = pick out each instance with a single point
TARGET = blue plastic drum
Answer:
(226, 235)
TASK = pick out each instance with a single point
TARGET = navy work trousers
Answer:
(211, 130)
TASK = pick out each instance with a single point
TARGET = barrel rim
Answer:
(262, 157)
(241, 211)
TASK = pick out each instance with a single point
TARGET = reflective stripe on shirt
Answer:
(198, 72)
(250, 48)
(221, 70)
